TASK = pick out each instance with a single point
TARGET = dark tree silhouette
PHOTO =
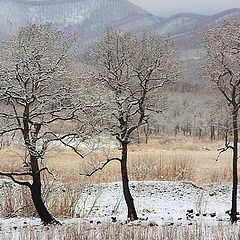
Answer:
(222, 66)
(38, 100)
(132, 72)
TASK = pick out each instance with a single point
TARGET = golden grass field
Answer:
(182, 159)
(163, 158)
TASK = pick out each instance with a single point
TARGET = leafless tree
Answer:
(222, 65)
(39, 102)
(132, 71)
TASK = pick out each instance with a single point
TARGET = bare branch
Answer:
(11, 176)
(100, 168)
(48, 171)
(225, 148)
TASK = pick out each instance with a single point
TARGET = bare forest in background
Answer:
(128, 109)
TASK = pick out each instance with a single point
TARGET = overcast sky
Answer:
(170, 7)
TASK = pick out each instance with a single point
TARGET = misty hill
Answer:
(91, 17)
(185, 28)
(188, 23)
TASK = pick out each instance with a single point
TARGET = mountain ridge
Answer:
(91, 17)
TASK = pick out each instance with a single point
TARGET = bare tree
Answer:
(222, 65)
(132, 71)
(39, 102)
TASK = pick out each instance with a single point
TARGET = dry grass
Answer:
(129, 232)
(164, 158)
(60, 199)
(16, 201)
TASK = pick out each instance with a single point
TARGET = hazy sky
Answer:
(170, 7)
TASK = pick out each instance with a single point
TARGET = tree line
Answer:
(50, 94)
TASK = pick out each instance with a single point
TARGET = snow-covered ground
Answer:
(157, 203)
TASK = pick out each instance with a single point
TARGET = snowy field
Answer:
(160, 205)
(159, 202)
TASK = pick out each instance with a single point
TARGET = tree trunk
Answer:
(36, 193)
(235, 158)
(146, 132)
(132, 214)
(212, 133)
(138, 136)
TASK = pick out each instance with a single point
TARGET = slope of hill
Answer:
(90, 18)
(185, 28)
(188, 23)
(86, 15)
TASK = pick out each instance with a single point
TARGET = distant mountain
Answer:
(188, 23)
(185, 28)
(91, 17)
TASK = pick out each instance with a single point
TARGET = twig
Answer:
(48, 171)
(225, 148)
(100, 168)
